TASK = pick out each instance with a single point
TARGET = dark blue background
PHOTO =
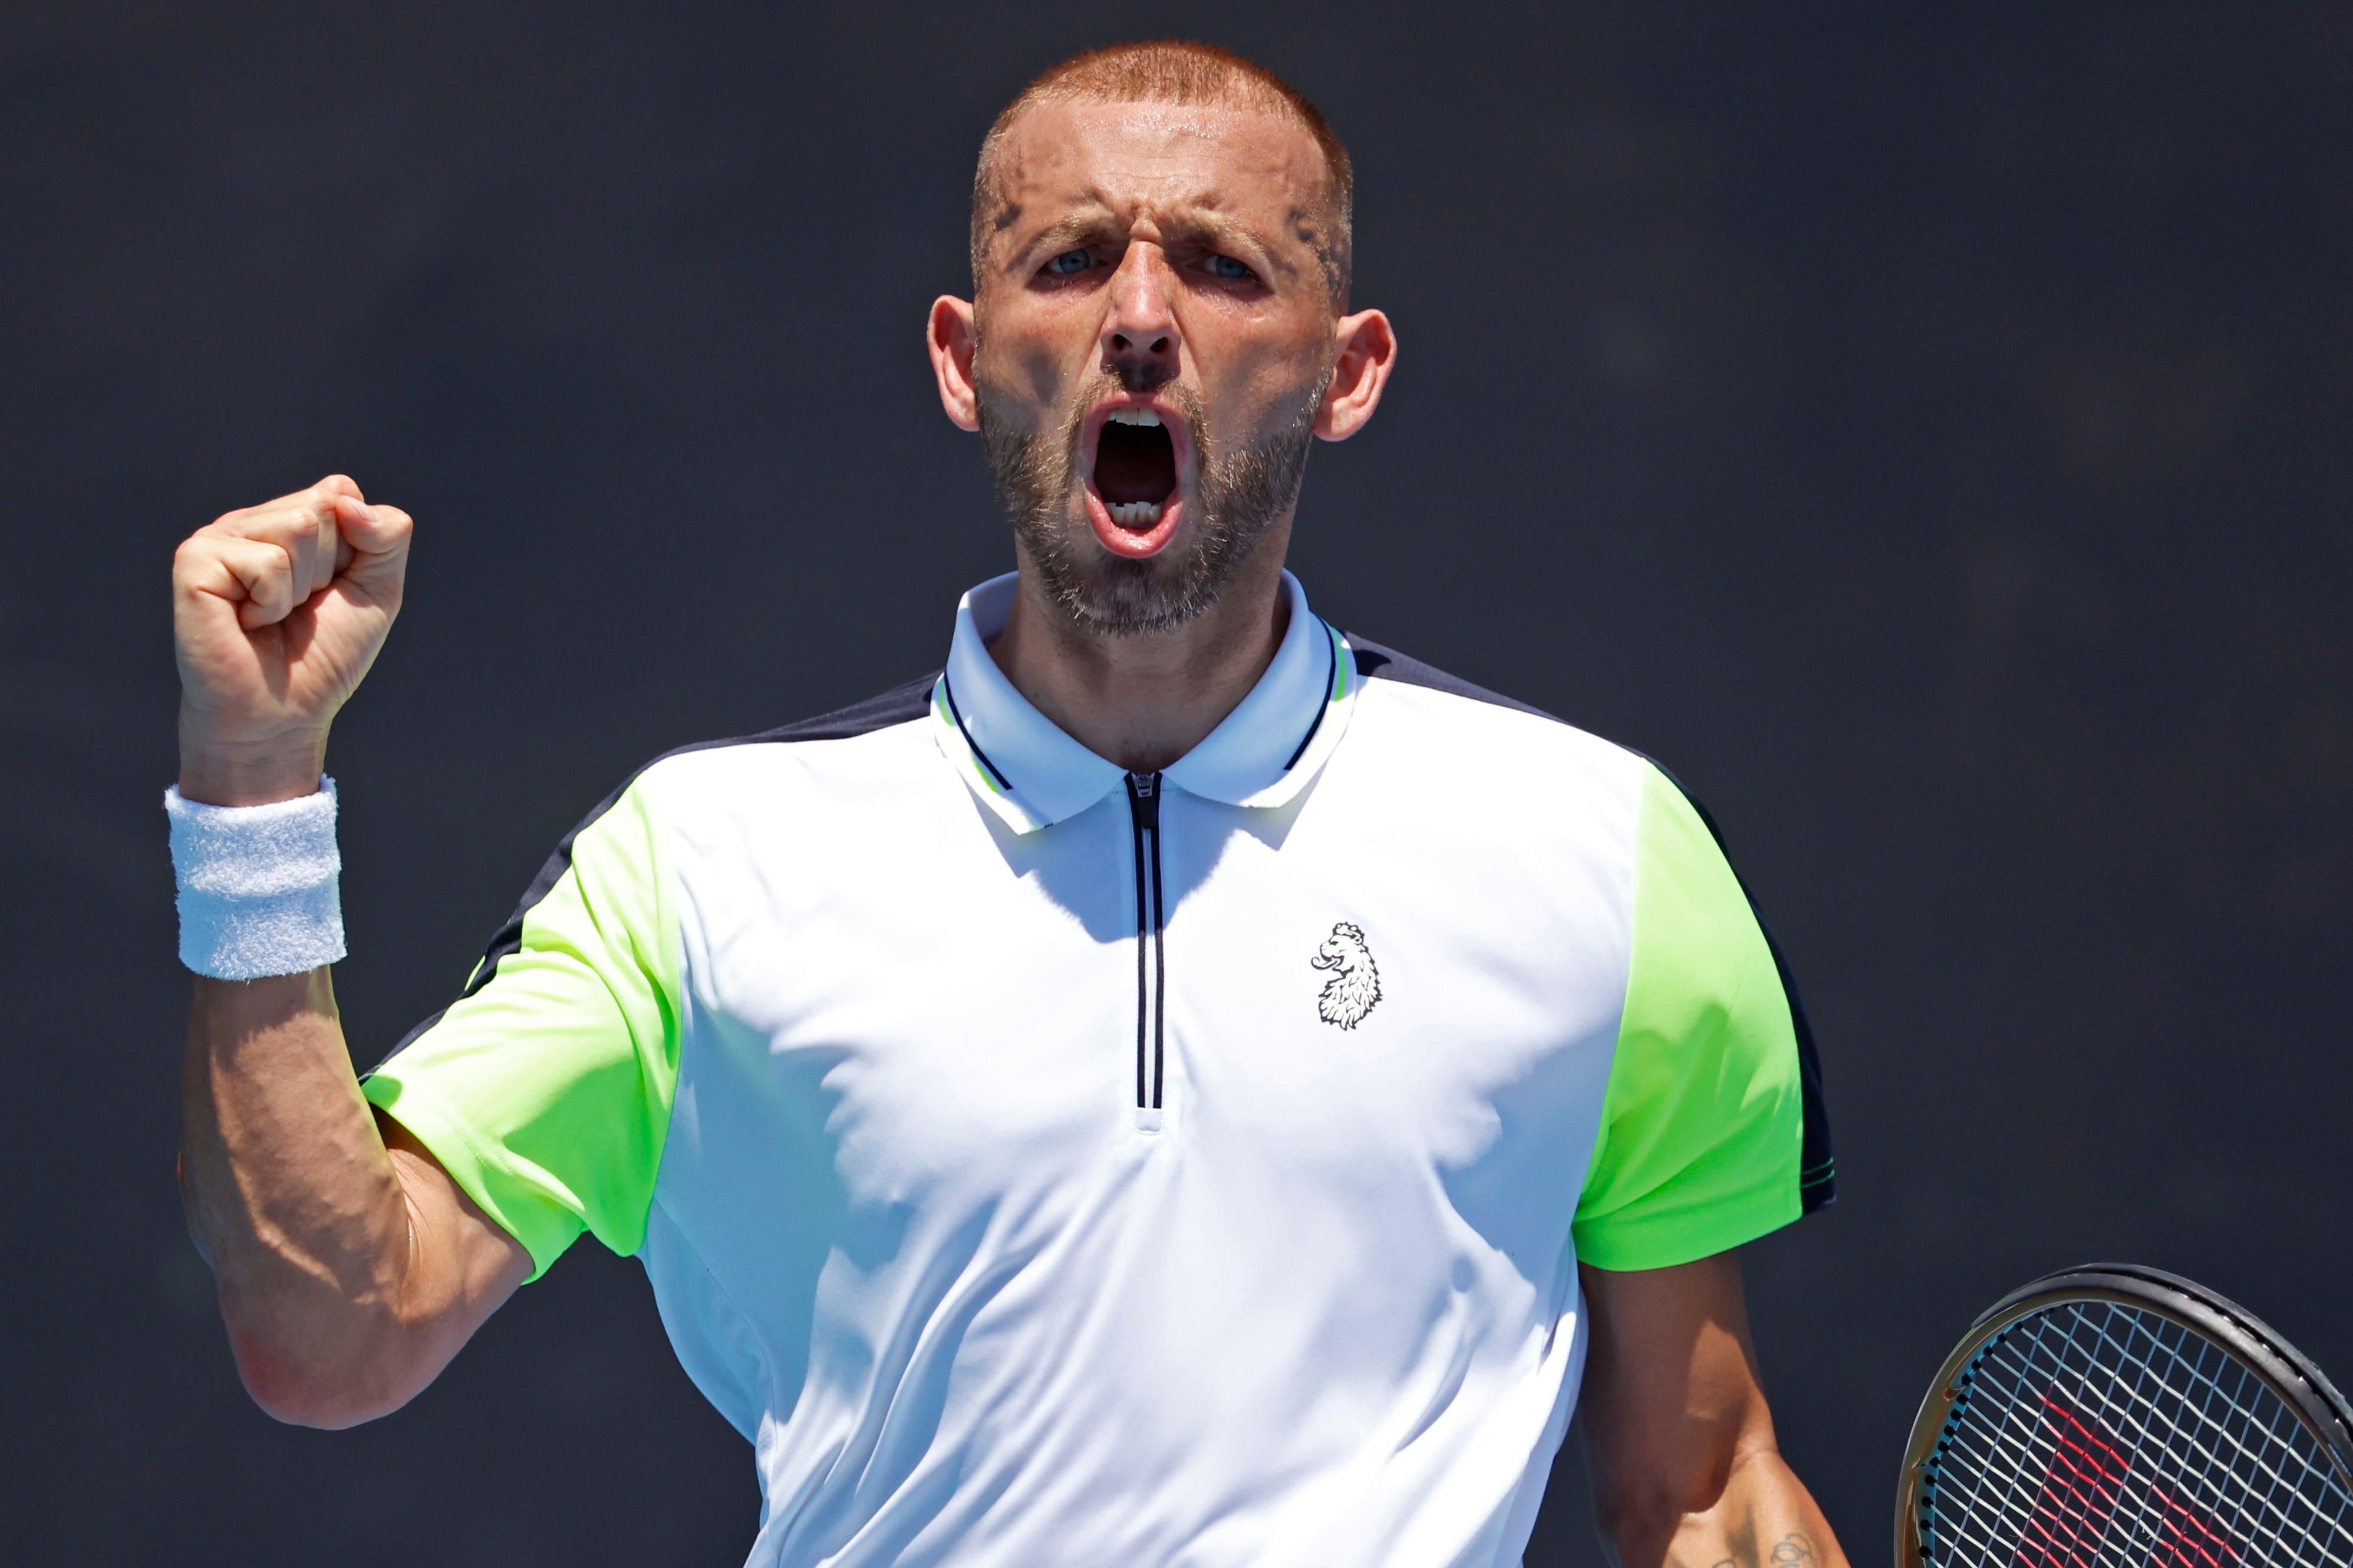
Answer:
(1927, 435)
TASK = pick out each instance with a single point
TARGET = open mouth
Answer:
(1135, 468)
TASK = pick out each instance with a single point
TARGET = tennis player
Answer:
(1180, 1084)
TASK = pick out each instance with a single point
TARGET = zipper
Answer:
(1151, 961)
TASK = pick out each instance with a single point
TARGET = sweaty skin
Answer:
(1155, 193)
(351, 1269)
(1685, 1467)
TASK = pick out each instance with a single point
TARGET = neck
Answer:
(1144, 701)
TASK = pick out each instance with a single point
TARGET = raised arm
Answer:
(1685, 1469)
(350, 1267)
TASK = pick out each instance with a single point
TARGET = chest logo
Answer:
(1355, 983)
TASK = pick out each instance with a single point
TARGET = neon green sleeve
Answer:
(1703, 1123)
(546, 1091)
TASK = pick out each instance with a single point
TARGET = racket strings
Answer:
(2076, 1477)
(2092, 1435)
(2084, 1476)
(2177, 1444)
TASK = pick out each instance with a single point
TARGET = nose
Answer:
(1140, 337)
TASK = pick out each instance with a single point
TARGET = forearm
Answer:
(295, 1200)
(1686, 1470)
(349, 1271)
(1765, 1518)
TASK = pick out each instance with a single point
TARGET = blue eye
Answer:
(1226, 267)
(1070, 263)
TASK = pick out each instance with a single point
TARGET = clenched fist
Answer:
(276, 612)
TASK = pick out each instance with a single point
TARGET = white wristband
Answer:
(260, 885)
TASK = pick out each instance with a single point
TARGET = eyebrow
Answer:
(1197, 224)
(1220, 231)
(1090, 219)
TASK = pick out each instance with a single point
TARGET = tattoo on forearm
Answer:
(1792, 1551)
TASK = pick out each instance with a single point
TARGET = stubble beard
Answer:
(1242, 492)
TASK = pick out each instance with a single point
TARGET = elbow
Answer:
(323, 1392)
(313, 1351)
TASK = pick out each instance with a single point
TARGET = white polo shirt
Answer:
(1044, 1164)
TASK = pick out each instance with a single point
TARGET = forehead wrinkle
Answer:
(1287, 174)
(1177, 134)
(1205, 212)
(1200, 214)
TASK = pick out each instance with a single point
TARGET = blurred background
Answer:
(1928, 434)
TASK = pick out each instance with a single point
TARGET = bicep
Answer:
(462, 1265)
(544, 1093)
(1707, 1117)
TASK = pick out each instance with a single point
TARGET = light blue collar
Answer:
(1032, 774)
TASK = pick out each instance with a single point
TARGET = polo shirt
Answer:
(1043, 1164)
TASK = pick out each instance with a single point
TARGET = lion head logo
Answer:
(1355, 983)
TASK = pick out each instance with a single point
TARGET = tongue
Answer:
(1135, 463)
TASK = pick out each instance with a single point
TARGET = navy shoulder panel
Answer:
(1374, 662)
(901, 705)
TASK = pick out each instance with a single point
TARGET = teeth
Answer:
(1144, 416)
(1137, 513)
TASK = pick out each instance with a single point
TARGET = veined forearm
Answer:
(1686, 1472)
(291, 1194)
(349, 1275)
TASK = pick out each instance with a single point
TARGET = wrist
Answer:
(214, 772)
(258, 885)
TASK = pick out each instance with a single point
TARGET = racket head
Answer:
(2169, 1318)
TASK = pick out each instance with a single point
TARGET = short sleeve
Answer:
(1705, 1141)
(545, 1089)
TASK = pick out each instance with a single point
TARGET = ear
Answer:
(1367, 354)
(951, 339)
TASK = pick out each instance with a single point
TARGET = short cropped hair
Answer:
(1173, 70)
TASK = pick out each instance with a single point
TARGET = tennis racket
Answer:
(2116, 1417)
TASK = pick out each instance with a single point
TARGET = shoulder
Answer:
(902, 705)
(860, 740)
(1449, 724)
(747, 770)
(1376, 661)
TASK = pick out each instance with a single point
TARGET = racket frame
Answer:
(2277, 1364)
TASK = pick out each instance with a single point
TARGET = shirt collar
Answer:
(1032, 774)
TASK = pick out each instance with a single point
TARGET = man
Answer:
(1179, 1085)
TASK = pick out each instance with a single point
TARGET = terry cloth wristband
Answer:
(260, 886)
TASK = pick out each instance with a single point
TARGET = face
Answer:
(1151, 347)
